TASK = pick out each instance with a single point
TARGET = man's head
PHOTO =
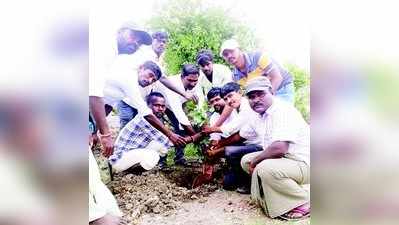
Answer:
(205, 61)
(258, 91)
(159, 42)
(156, 102)
(231, 94)
(148, 73)
(230, 52)
(215, 100)
(130, 37)
(189, 76)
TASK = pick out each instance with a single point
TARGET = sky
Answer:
(282, 31)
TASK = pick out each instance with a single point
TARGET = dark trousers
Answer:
(235, 175)
(179, 151)
(126, 113)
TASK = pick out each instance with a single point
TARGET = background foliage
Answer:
(193, 26)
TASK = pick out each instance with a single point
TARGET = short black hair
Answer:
(150, 65)
(230, 87)
(160, 35)
(152, 95)
(215, 91)
(204, 56)
(189, 69)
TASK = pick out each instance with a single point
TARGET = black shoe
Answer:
(244, 190)
(136, 170)
(181, 162)
(162, 165)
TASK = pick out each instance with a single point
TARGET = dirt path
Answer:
(221, 208)
(156, 197)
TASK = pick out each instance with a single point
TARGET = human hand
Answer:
(214, 143)
(191, 96)
(107, 144)
(208, 130)
(252, 166)
(177, 140)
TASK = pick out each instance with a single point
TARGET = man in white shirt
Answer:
(213, 75)
(186, 81)
(279, 171)
(218, 104)
(232, 95)
(103, 208)
(125, 85)
(157, 48)
(129, 39)
(155, 52)
(232, 147)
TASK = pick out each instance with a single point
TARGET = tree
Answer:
(193, 26)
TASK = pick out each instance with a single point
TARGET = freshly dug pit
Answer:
(159, 192)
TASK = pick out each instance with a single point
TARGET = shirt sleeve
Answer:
(284, 126)
(233, 126)
(175, 104)
(212, 120)
(247, 132)
(227, 75)
(96, 84)
(265, 63)
(133, 96)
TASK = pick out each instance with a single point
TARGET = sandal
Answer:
(303, 214)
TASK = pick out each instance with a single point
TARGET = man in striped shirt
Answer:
(256, 64)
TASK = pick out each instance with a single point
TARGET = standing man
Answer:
(284, 164)
(155, 52)
(251, 65)
(187, 82)
(213, 75)
(103, 208)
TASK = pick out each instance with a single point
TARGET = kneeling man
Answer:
(280, 170)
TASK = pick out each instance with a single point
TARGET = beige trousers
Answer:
(276, 184)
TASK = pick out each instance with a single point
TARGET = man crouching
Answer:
(139, 144)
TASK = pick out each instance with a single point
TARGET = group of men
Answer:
(254, 124)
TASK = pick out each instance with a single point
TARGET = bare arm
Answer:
(224, 115)
(218, 149)
(96, 105)
(275, 79)
(230, 140)
(276, 150)
(189, 129)
(174, 138)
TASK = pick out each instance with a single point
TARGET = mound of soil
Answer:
(158, 192)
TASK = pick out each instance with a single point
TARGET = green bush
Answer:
(193, 26)
(302, 92)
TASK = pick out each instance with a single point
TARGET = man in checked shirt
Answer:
(139, 144)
